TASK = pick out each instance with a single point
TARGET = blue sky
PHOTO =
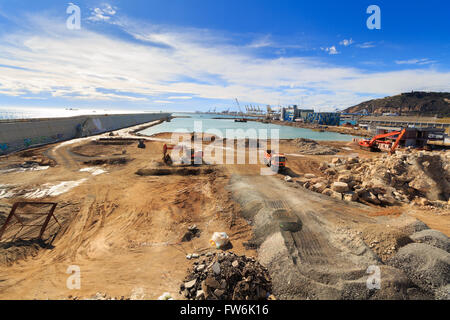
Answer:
(197, 54)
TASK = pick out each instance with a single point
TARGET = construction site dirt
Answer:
(124, 215)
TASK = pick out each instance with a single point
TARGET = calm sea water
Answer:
(206, 123)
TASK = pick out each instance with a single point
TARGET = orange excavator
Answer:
(190, 155)
(372, 144)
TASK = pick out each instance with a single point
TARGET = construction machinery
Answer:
(239, 106)
(375, 142)
(276, 161)
(190, 156)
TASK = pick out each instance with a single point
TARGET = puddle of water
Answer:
(54, 190)
(93, 170)
(46, 190)
(21, 169)
(5, 193)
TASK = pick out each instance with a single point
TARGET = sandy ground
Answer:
(124, 231)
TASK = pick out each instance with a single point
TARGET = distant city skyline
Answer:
(188, 55)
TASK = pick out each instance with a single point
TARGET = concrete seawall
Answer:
(17, 135)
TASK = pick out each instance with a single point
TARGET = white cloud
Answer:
(103, 13)
(162, 101)
(179, 98)
(346, 42)
(415, 61)
(330, 50)
(261, 42)
(191, 63)
(366, 45)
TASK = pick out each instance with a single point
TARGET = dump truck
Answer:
(276, 161)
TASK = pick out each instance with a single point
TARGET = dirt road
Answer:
(314, 245)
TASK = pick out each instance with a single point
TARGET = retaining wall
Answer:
(21, 134)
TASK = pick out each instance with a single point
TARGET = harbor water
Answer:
(207, 124)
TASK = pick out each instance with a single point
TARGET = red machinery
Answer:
(375, 141)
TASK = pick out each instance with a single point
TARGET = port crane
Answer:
(237, 102)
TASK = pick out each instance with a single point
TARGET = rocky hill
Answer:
(411, 103)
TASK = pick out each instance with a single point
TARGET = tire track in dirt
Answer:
(320, 265)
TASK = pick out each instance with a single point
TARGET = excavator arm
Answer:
(384, 135)
(395, 145)
(372, 143)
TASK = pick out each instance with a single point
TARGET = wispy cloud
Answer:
(262, 42)
(416, 61)
(162, 101)
(87, 65)
(346, 42)
(366, 45)
(179, 98)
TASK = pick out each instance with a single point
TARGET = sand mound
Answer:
(307, 146)
(19, 250)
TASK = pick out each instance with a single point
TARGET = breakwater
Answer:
(20, 134)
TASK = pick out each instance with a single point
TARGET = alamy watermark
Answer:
(74, 280)
(374, 279)
(374, 21)
(73, 22)
(231, 146)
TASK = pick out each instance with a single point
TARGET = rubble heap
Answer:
(308, 146)
(191, 233)
(226, 276)
(417, 177)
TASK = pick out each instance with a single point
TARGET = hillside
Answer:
(411, 103)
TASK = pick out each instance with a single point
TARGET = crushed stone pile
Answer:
(226, 276)
(419, 178)
(307, 146)
(433, 238)
(428, 267)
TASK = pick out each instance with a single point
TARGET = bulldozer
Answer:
(190, 156)
(373, 144)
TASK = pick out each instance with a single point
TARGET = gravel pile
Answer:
(434, 238)
(226, 276)
(426, 266)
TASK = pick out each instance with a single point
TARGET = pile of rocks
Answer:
(417, 177)
(191, 233)
(307, 146)
(226, 276)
